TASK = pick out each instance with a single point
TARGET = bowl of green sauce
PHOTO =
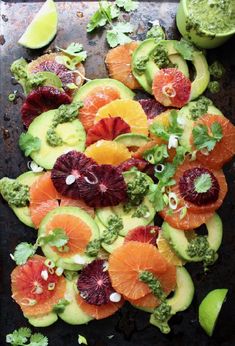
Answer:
(207, 23)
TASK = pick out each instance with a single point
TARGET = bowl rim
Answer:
(208, 33)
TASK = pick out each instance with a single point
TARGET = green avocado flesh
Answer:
(91, 86)
(70, 262)
(43, 321)
(179, 242)
(23, 213)
(72, 134)
(132, 139)
(202, 75)
(72, 313)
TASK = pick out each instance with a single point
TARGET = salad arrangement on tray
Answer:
(104, 165)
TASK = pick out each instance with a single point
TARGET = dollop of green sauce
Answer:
(216, 69)
(93, 248)
(140, 64)
(214, 87)
(199, 247)
(200, 107)
(214, 16)
(156, 32)
(160, 56)
(141, 211)
(153, 283)
(15, 193)
(115, 225)
(64, 114)
(137, 189)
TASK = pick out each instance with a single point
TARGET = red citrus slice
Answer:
(224, 150)
(118, 61)
(44, 198)
(99, 311)
(98, 98)
(143, 234)
(171, 88)
(78, 232)
(192, 170)
(32, 292)
(127, 262)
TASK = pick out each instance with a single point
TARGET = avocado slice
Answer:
(70, 263)
(72, 313)
(185, 116)
(42, 321)
(202, 77)
(23, 213)
(143, 50)
(85, 90)
(132, 139)
(179, 241)
(72, 134)
(174, 57)
(181, 299)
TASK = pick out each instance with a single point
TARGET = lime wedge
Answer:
(43, 27)
(209, 309)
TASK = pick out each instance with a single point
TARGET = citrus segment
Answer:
(108, 152)
(69, 202)
(148, 301)
(118, 61)
(31, 291)
(96, 99)
(78, 232)
(127, 262)
(224, 150)
(43, 27)
(167, 252)
(130, 111)
(101, 311)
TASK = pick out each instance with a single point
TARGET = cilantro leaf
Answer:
(185, 49)
(18, 337)
(203, 140)
(156, 197)
(29, 143)
(174, 127)
(103, 15)
(117, 35)
(73, 49)
(128, 5)
(60, 306)
(57, 238)
(38, 339)
(164, 132)
(82, 340)
(23, 251)
(203, 183)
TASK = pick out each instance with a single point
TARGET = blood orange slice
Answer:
(206, 198)
(224, 150)
(118, 61)
(143, 234)
(171, 88)
(78, 232)
(44, 198)
(96, 99)
(34, 292)
(127, 262)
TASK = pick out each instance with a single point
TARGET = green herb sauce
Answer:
(214, 87)
(93, 248)
(115, 225)
(160, 57)
(141, 211)
(153, 283)
(216, 70)
(16, 194)
(200, 107)
(140, 64)
(156, 32)
(137, 189)
(199, 247)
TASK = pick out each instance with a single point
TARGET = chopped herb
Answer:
(203, 140)
(216, 70)
(15, 193)
(29, 143)
(115, 225)
(160, 56)
(140, 64)
(200, 107)
(202, 183)
(93, 248)
(214, 87)
(141, 211)
(128, 5)
(156, 154)
(60, 306)
(137, 188)
(23, 251)
(57, 238)
(200, 247)
(82, 340)
(117, 35)
(153, 283)
(156, 32)
(185, 49)
(161, 316)
(20, 338)
(12, 97)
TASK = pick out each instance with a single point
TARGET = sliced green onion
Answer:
(28, 302)
(11, 97)
(51, 286)
(49, 263)
(183, 212)
(59, 271)
(159, 168)
(150, 158)
(173, 200)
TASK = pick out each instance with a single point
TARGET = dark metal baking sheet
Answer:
(129, 327)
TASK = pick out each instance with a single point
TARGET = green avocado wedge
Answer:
(91, 86)
(179, 242)
(72, 134)
(76, 261)
(202, 75)
(72, 313)
(209, 309)
(42, 321)
(132, 139)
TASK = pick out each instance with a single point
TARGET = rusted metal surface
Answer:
(129, 327)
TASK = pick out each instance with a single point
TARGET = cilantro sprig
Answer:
(24, 250)
(73, 55)
(29, 143)
(107, 12)
(185, 48)
(203, 139)
(165, 132)
(23, 336)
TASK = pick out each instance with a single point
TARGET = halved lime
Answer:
(43, 27)
(209, 309)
